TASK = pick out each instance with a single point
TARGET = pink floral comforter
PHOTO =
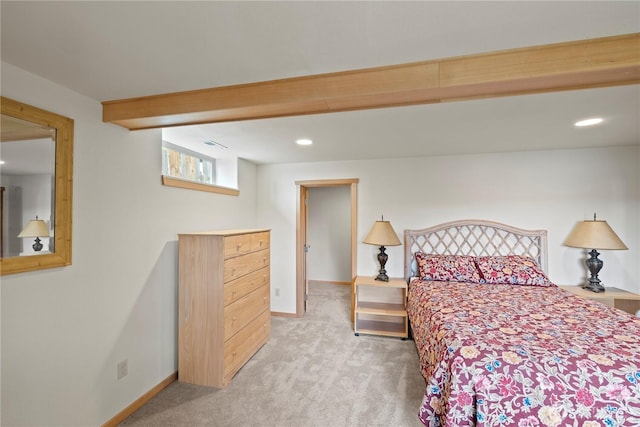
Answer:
(508, 355)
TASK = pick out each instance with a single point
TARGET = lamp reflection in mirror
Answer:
(382, 234)
(35, 228)
(596, 234)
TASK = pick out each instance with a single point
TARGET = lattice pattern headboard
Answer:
(474, 237)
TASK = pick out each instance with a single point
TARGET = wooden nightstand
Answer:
(380, 307)
(613, 297)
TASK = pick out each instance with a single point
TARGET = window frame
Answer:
(186, 183)
(166, 145)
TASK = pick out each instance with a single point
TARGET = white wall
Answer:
(64, 330)
(36, 201)
(34, 192)
(538, 189)
(329, 238)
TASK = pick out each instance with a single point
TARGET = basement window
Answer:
(183, 168)
(178, 162)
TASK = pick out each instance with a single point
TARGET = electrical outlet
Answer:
(123, 369)
(277, 292)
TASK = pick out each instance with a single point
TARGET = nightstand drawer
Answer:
(630, 306)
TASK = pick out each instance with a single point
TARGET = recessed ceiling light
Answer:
(304, 142)
(588, 122)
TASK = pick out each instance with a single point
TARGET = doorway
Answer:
(302, 223)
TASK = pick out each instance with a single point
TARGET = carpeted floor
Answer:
(312, 373)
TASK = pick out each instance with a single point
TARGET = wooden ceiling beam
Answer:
(608, 61)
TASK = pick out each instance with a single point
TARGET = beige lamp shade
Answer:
(594, 234)
(382, 234)
(35, 228)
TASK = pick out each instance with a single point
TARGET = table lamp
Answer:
(596, 234)
(382, 234)
(35, 228)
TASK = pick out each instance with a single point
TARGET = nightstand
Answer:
(380, 308)
(613, 297)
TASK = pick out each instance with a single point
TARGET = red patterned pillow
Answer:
(512, 269)
(454, 268)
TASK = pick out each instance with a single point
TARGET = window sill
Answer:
(190, 185)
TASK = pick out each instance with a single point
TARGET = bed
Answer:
(501, 345)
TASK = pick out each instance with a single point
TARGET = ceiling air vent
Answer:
(215, 144)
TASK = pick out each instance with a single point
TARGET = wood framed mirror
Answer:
(36, 175)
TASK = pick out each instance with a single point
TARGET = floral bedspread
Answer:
(526, 356)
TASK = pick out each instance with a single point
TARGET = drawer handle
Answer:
(233, 319)
(233, 354)
(260, 242)
(238, 247)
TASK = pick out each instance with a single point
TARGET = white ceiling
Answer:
(114, 50)
(28, 157)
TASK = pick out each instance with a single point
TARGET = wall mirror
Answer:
(36, 184)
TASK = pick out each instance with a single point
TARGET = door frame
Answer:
(301, 231)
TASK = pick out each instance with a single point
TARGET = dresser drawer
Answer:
(238, 288)
(245, 264)
(260, 241)
(238, 314)
(237, 245)
(244, 344)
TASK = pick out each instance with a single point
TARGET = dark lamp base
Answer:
(382, 259)
(594, 287)
(37, 246)
(382, 277)
(594, 264)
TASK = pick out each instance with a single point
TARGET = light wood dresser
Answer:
(224, 312)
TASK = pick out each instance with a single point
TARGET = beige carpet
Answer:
(313, 372)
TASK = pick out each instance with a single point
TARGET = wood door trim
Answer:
(303, 186)
(1, 222)
(300, 242)
(328, 182)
